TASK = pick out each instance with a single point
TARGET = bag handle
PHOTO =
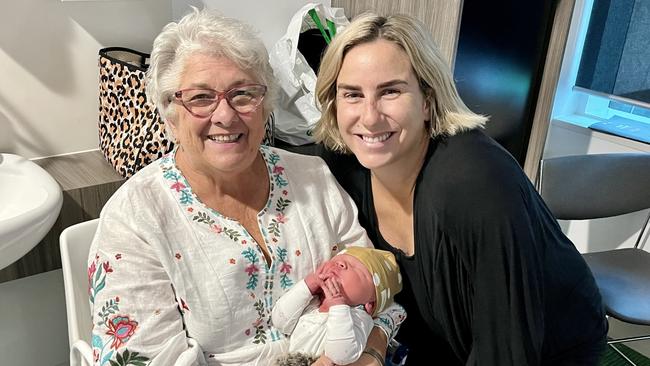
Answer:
(130, 58)
(332, 16)
(330, 25)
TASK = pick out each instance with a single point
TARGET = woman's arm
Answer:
(136, 315)
(508, 307)
(505, 260)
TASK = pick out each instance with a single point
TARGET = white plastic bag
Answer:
(297, 114)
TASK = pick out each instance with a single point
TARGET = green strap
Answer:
(316, 19)
(332, 27)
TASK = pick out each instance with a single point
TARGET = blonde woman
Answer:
(489, 278)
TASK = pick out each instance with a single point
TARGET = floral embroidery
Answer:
(185, 195)
(298, 252)
(107, 267)
(128, 358)
(120, 328)
(282, 205)
(177, 255)
(97, 277)
(280, 218)
(252, 257)
(390, 319)
(274, 227)
(252, 269)
(260, 334)
(285, 269)
(276, 170)
(232, 234)
(118, 256)
(178, 186)
(203, 218)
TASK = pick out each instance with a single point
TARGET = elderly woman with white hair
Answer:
(192, 252)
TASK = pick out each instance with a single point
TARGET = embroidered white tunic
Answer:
(173, 282)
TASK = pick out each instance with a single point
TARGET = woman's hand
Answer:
(378, 342)
(365, 360)
(323, 361)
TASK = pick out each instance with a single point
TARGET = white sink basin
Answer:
(30, 202)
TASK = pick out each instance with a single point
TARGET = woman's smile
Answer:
(225, 138)
(376, 139)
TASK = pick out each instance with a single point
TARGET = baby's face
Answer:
(353, 277)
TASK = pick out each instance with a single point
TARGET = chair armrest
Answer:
(85, 354)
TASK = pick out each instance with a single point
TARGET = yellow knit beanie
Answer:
(384, 271)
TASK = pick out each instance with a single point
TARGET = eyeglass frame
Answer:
(177, 96)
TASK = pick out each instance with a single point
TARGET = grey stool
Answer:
(584, 187)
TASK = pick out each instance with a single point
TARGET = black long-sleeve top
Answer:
(493, 280)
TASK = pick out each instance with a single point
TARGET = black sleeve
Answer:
(495, 232)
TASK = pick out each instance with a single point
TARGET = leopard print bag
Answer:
(131, 132)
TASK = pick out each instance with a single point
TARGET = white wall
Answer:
(269, 18)
(48, 67)
(48, 60)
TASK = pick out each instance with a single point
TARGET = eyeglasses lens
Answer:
(202, 102)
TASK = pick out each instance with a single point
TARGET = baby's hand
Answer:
(314, 280)
(314, 283)
(332, 291)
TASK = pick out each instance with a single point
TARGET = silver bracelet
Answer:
(372, 352)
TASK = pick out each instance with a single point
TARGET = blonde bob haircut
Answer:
(449, 114)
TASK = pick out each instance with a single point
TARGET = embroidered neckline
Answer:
(186, 195)
(197, 211)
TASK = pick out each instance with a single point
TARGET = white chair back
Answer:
(75, 244)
